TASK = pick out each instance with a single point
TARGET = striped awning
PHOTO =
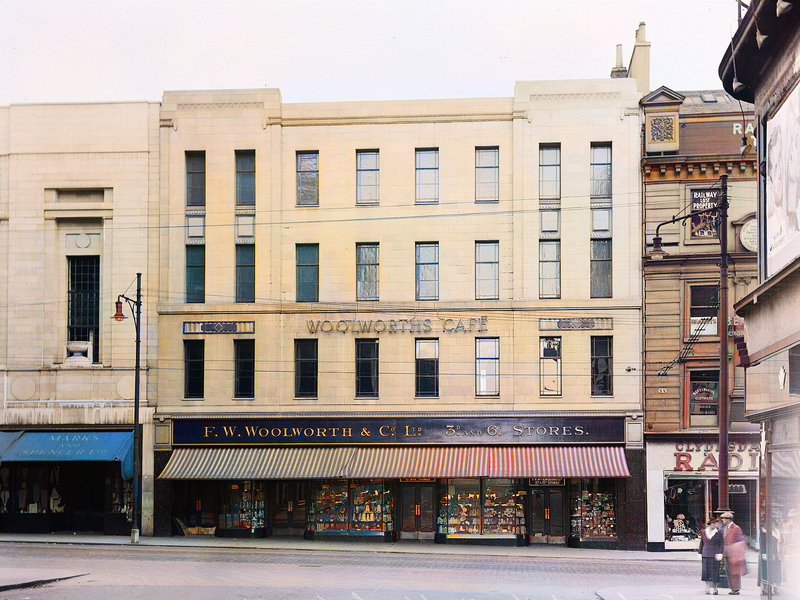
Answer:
(257, 463)
(396, 462)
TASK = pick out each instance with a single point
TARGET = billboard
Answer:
(783, 185)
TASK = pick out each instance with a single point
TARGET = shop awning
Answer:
(100, 446)
(257, 463)
(396, 462)
(6, 439)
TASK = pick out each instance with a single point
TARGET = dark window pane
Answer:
(195, 178)
(244, 385)
(307, 272)
(195, 274)
(305, 368)
(794, 370)
(601, 269)
(245, 177)
(194, 368)
(367, 368)
(245, 273)
(427, 368)
(83, 302)
(602, 371)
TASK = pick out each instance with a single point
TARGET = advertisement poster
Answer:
(783, 185)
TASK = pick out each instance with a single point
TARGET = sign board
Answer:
(704, 225)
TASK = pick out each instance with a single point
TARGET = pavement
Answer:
(24, 578)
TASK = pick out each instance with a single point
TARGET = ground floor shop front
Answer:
(683, 490)
(73, 481)
(496, 494)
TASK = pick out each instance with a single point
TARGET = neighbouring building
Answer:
(414, 319)
(690, 139)
(79, 182)
(762, 66)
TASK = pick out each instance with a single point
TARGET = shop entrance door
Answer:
(290, 508)
(417, 503)
(547, 515)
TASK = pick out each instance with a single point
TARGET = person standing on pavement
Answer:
(711, 551)
(734, 552)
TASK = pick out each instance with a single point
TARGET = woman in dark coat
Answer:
(711, 549)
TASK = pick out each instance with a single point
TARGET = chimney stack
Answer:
(619, 70)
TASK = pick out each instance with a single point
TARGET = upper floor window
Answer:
(704, 304)
(427, 169)
(427, 254)
(487, 174)
(487, 270)
(703, 398)
(308, 178)
(794, 370)
(193, 368)
(487, 366)
(550, 253)
(550, 171)
(367, 368)
(196, 178)
(307, 272)
(367, 264)
(245, 273)
(244, 368)
(600, 268)
(83, 302)
(602, 365)
(195, 274)
(427, 368)
(601, 171)
(305, 368)
(368, 176)
(245, 177)
(550, 366)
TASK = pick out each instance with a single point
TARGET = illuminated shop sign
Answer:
(395, 430)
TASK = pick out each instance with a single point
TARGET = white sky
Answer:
(322, 50)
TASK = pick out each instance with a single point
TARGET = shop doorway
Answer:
(417, 504)
(290, 508)
(547, 516)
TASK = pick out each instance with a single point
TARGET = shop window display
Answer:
(481, 507)
(243, 508)
(499, 506)
(593, 516)
(684, 509)
(354, 508)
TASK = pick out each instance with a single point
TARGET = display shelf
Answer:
(593, 517)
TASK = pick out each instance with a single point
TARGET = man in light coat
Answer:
(735, 547)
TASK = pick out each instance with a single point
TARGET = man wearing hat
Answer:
(735, 546)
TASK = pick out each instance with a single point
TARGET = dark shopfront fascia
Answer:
(66, 481)
(410, 477)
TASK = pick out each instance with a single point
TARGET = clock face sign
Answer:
(749, 235)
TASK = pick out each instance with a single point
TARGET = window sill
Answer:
(601, 395)
(426, 397)
(307, 205)
(243, 399)
(306, 397)
(194, 399)
(484, 396)
(366, 398)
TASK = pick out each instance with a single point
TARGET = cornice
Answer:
(662, 169)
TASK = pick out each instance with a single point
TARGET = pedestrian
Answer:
(711, 551)
(735, 546)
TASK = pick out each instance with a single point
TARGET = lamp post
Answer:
(136, 311)
(721, 211)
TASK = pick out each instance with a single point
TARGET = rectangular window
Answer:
(427, 256)
(703, 398)
(549, 366)
(195, 274)
(83, 302)
(196, 179)
(549, 269)
(487, 270)
(367, 263)
(487, 366)
(601, 171)
(307, 272)
(600, 273)
(308, 178)
(368, 176)
(601, 222)
(794, 370)
(704, 304)
(487, 174)
(193, 368)
(367, 368)
(427, 164)
(305, 368)
(245, 177)
(549, 171)
(602, 365)
(427, 368)
(244, 368)
(245, 273)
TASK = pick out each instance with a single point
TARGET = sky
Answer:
(341, 50)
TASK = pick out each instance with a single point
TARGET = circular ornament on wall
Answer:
(83, 241)
(748, 235)
(125, 387)
(23, 388)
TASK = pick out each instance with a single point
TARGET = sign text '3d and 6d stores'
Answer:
(394, 430)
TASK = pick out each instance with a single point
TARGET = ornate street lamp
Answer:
(658, 253)
(136, 312)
